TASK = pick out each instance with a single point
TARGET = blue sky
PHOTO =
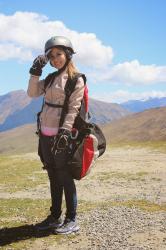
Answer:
(120, 44)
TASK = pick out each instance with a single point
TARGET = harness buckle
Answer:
(74, 133)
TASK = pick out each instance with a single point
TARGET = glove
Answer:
(61, 141)
(38, 64)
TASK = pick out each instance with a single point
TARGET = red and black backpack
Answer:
(87, 140)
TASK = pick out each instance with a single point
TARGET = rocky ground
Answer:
(124, 200)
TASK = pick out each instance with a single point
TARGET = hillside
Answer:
(19, 140)
(149, 125)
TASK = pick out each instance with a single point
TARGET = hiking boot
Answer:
(49, 223)
(69, 226)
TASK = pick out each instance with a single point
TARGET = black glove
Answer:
(38, 64)
(61, 141)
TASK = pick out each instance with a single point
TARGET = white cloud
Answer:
(132, 73)
(27, 32)
(23, 36)
(9, 51)
(120, 96)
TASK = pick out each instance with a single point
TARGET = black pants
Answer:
(60, 179)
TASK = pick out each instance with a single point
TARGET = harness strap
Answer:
(53, 105)
(69, 89)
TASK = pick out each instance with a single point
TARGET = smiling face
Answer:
(57, 58)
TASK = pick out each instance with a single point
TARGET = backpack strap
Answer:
(69, 89)
(49, 80)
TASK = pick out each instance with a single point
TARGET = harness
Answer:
(69, 88)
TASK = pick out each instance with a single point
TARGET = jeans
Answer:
(60, 179)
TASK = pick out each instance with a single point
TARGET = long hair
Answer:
(71, 69)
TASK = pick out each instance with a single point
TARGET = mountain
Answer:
(18, 109)
(103, 112)
(141, 105)
(24, 115)
(145, 126)
(149, 125)
(11, 103)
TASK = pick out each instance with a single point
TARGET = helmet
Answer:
(58, 41)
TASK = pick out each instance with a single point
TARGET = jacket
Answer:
(55, 94)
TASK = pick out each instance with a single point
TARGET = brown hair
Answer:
(71, 69)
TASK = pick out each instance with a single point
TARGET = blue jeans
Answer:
(60, 180)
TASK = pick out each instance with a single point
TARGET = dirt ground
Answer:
(121, 175)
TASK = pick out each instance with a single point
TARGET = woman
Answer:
(59, 51)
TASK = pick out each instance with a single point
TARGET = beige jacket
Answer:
(55, 94)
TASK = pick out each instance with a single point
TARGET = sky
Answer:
(120, 44)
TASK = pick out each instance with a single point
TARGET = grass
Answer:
(17, 217)
(141, 204)
(154, 145)
(19, 174)
(22, 210)
(106, 176)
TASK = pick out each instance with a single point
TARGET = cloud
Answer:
(132, 73)
(120, 96)
(23, 36)
(27, 32)
(11, 51)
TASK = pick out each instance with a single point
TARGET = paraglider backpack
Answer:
(87, 141)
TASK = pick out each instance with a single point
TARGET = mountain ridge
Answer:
(141, 105)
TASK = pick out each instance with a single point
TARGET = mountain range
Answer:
(141, 105)
(17, 109)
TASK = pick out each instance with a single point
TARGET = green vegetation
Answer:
(155, 145)
(19, 174)
(106, 176)
(18, 215)
(141, 204)
(14, 212)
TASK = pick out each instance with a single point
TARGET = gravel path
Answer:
(121, 228)
(118, 228)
